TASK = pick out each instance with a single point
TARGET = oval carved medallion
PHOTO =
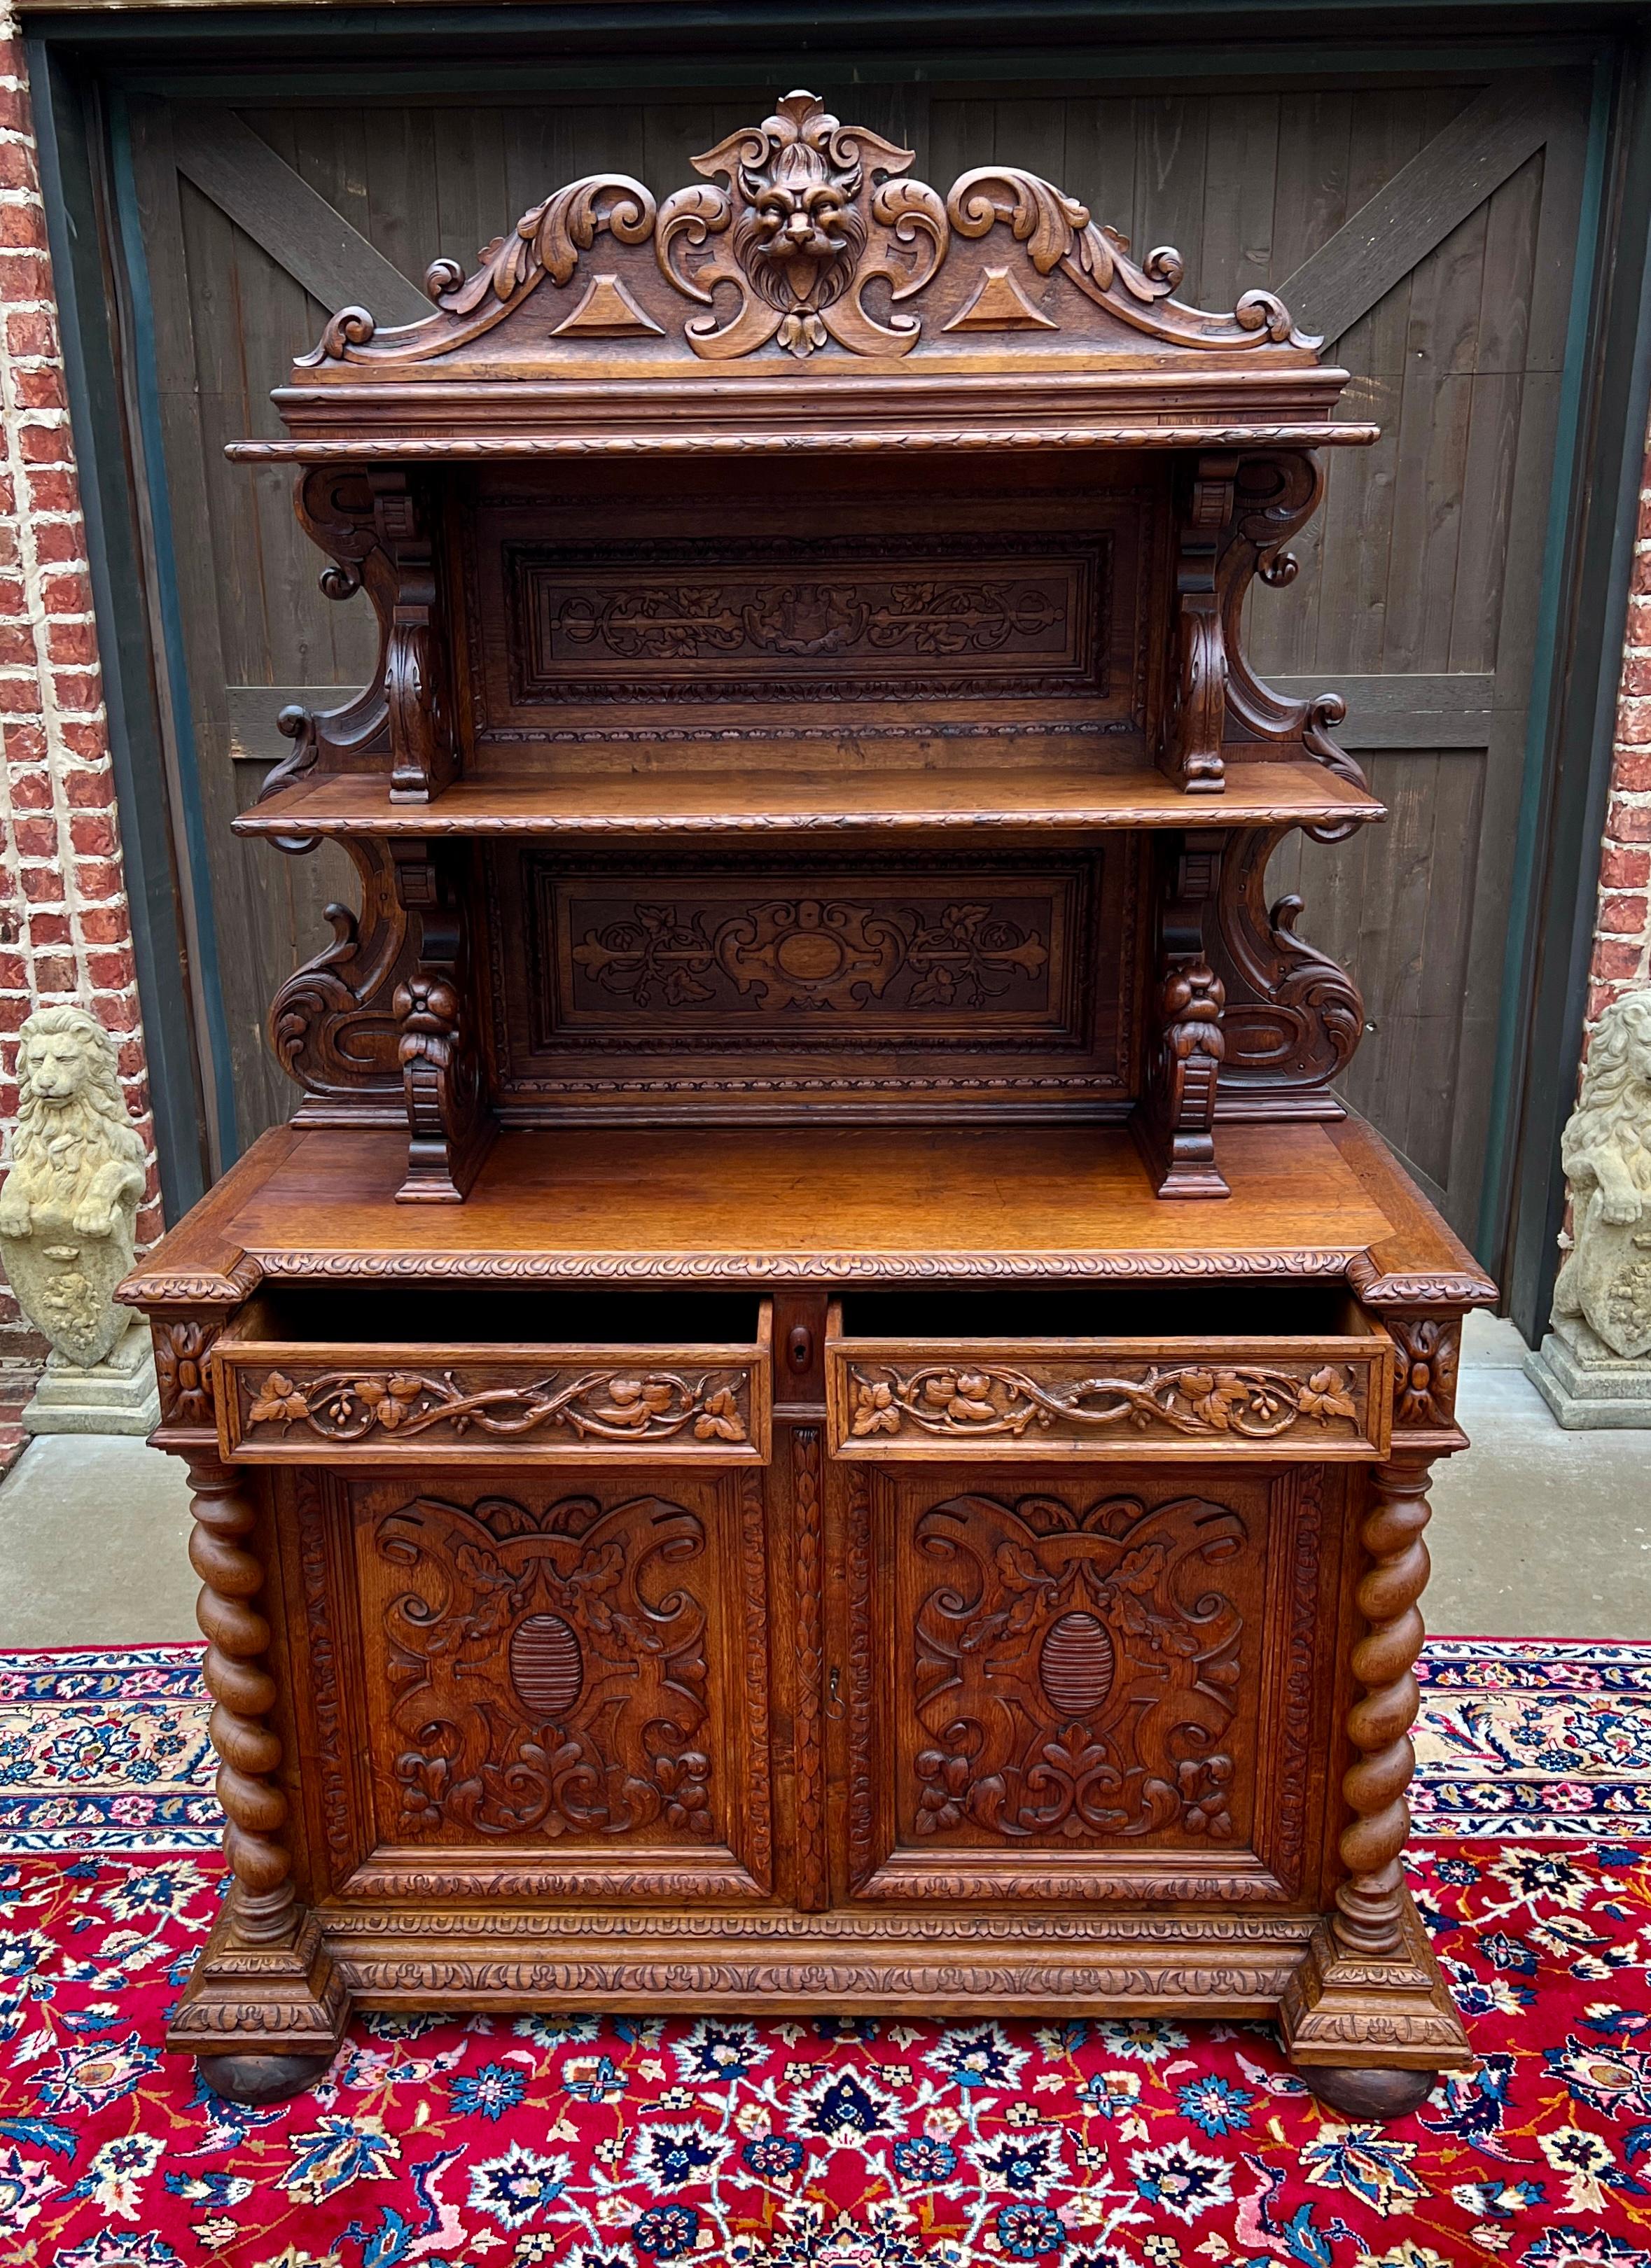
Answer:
(1075, 1664)
(546, 1667)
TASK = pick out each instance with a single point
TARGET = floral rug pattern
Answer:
(511, 2142)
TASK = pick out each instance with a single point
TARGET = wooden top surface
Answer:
(776, 800)
(821, 1204)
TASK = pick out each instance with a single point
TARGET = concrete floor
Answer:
(1536, 1532)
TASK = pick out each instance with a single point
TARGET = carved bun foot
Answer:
(1371, 2096)
(256, 2079)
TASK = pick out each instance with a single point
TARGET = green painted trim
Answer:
(221, 1086)
(1518, 961)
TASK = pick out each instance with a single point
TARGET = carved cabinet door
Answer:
(1083, 1683)
(546, 1684)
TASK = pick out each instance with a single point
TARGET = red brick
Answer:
(25, 274)
(93, 835)
(49, 927)
(1619, 916)
(23, 223)
(90, 743)
(17, 645)
(1633, 724)
(72, 641)
(1625, 870)
(1639, 620)
(1615, 959)
(35, 838)
(87, 789)
(24, 744)
(1628, 822)
(31, 792)
(40, 390)
(16, 166)
(8, 529)
(42, 886)
(111, 969)
(1636, 673)
(129, 1057)
(13, 597)
(14, 971)
(53, 490)
(98, 878)
(45, 445)
(1632, 771)
(14, 107)
(59, 540)
(67, 590)
(13, 1008)
(83, 689)
(105, 925)
(19, 693)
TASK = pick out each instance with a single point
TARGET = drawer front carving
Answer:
(294, 1403)
(1264, 1398)
(1057, 1692)
(564, 1688)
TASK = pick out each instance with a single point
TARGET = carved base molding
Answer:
(245, 2003)
(1342, 2013)
(1345, 2009)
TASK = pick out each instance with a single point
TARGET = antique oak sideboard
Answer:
(819, 1407)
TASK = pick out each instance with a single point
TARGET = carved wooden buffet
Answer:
(819, 1407)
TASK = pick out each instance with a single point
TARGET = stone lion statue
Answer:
(1606, 1153)
(68, 1203)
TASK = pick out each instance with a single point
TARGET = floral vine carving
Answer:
(1257, 1402)
(595, 1405)
(181, 1350)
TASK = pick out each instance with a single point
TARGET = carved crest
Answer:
(804, 234)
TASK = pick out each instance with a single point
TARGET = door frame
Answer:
(80, 60)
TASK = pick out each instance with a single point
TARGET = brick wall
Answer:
(65, 931)
(1622, 933)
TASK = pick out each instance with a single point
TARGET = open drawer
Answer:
(306, 1376)
(1254, 1371)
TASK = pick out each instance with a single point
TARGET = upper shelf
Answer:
(1298, 793)
(807, 295)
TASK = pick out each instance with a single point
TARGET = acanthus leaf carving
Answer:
(1003, 1757)
(793, 223)
(632, 1753)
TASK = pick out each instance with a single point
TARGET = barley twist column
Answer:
(1370, 1903)
(244, 1692)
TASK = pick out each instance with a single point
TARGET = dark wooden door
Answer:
(1430, 229)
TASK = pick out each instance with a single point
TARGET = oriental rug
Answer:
(508, 2143)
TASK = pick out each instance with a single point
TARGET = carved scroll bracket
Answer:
(335, 509)
(1274, 496)
(1293, 1016)
(1174, 1121)
(1195, 711)
(417, 668)
(450, 1127)
(332, 1026)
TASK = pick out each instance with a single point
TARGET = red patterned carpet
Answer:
(625, 2144)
